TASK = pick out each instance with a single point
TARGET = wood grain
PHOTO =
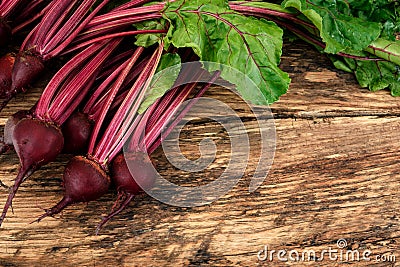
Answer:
(335, 175)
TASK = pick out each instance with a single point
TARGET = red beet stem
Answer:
(116, 15)
(113, 26)
(58, 78)
(98, 94)
(120, 125)
(131, 4)
(7, 7)
(56, 10)
(57, 48)
(153, 142)
(110, 36)
(58, 106)
(31, 11)
(117, 85)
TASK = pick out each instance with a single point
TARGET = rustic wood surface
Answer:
(334, 176)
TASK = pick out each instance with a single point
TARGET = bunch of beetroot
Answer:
(86, 105)
(106, 97)
(90, 107)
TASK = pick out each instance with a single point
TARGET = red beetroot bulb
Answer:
(36, 144)
(76, 131)
(83, 180)
(13, 120)
(141, 168)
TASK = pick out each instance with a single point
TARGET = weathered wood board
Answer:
(334, 176)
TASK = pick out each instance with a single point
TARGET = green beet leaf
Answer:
(167, 72)
(217, 34)
(339, 29)
(147, 40)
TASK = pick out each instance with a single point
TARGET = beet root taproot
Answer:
(140, 171)
(84, 180)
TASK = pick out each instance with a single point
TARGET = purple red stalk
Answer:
(116, 21)
(141, 175)
(39, 140)
(85, 178)
(288, 21)
(61, 23)
(7, 8)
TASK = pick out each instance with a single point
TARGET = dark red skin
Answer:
(83, 180)
(141, 167)
(6, 67)
(36, 143)
(5, 33)
(27, 68)
(7, 142)
(76, 131)
(11, 122)
(127, 187)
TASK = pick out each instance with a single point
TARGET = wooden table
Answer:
(335, 176)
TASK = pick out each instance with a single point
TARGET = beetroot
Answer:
(139, 164)
(36, 143)
(83, 181)
(26, 68)
(78, 183)
(127, 185)
(38, 140)
(7, 142)
(146, 137)
(76, 131)
(6, 66)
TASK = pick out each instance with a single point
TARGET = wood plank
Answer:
(326, 183)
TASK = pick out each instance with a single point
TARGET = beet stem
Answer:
(121, 121)
(72, 35)
(115, 212)
(117, 15)
(117, 85)
(29, 21)
(153, 144)
(51, 88)
(98, 95)
(7, 7)
(112, 35)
